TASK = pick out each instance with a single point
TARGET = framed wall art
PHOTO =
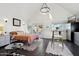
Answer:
(16, 22)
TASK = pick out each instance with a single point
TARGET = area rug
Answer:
(33, 46)
(10, 46)
(58, 50)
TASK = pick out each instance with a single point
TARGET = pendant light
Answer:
(44, 8)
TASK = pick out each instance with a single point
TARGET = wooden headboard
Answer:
(16, 32)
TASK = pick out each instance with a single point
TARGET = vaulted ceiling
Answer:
(71, 7)
(31, 11)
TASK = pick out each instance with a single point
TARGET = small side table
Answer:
(59, 40)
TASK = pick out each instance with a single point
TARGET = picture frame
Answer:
(16, 22)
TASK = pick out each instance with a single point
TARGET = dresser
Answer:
(4, 40)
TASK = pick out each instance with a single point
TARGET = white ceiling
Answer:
(19, 10)
(71, 7)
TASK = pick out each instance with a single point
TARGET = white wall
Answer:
(20, 11)
(10, 13)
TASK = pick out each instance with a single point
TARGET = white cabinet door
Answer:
(7, 39)
(1, 41)
(76, 38)
(4, 40)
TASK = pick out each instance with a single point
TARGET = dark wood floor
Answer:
(73, 48)
(40, 51)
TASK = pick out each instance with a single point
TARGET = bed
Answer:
(24, 37)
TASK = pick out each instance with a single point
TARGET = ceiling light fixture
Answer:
(44, 8)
